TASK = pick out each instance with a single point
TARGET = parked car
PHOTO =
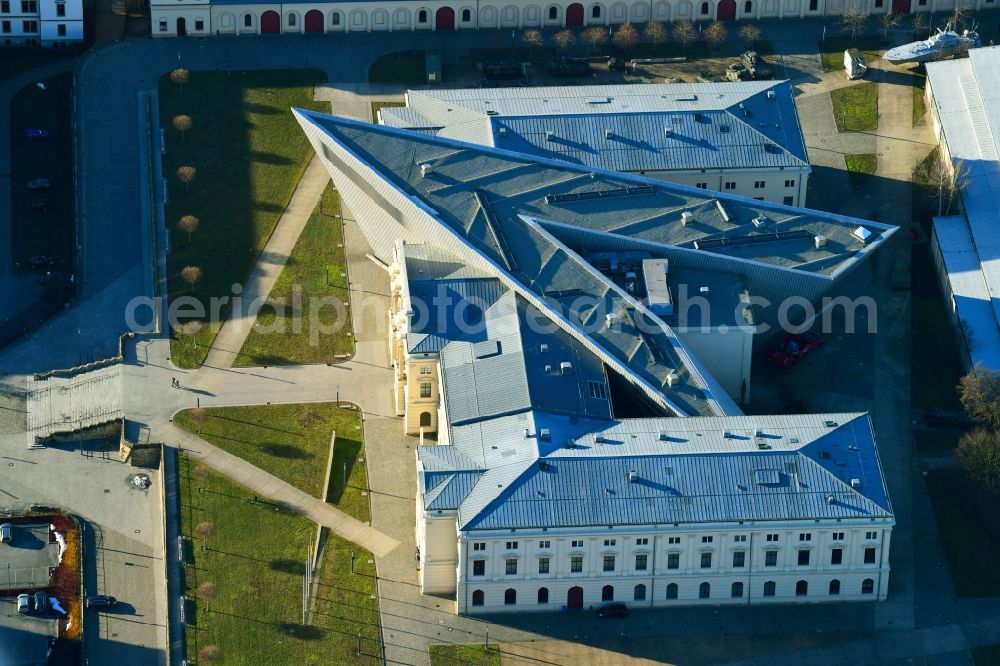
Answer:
(794, 348)
(6, 533)
(23, 603)
(101, 601)
(37, 134)
(40, 261)
(36, 206)
(41, 602)
(612, 610)
(38, 184)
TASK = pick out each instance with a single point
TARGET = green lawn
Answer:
(256, 554)
(292, 442)
(381, 105)
(919, 105)
(855, 107)
(988, 655)
(831, 50)
(313, 326)
(860, 166)
(935, 375)
(474, 654)
(966, 518)
(402, 67)
(249, 153)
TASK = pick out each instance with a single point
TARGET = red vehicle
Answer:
(794, 348)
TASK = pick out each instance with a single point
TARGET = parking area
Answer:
(25, 562)
(24, 639)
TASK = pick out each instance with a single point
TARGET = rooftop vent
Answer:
(862, 234)
(699, 117)
(673, 379)
(492, 112)
(608, 134)
(565, 367)
(820, 240)
(726, 434)
(543, 348)
(633, 476)
(610, 319)
(502, 132)
(426, 168)
(548, 369)
(570, 443)
(542, 465)
(759, 221)
(704, 291)
(550, 136)
(686, 217)
(668, 131)
(723, 129)
(722, 210)
(663, 436)
(527, 433)
(830, 499)
(770, 94)
(856, 483)
(742, 105)
(545, 435)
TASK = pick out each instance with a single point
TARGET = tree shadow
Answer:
(285, 451)
(293, 567)
(268, 158)
(263, 109)
(303, 631)
(345, 455)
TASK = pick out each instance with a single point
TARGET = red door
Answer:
(444, 19)
(574, 599)
(574, 16)
(727, 10)
(901, 6)
(314, 21)
(270, 22)
(181, 27)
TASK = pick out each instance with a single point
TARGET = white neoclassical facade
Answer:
(48, 23)
(172, 18)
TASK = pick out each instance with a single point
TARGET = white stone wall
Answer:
(726, 354)
(438, 553)
(786, 186)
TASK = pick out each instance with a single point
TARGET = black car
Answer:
(612, 610)
(37, 206)
(101, 601)
(40, 261)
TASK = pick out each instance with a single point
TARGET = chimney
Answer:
(820, 241)
(426, 168)
(565, 367)
(633, 476)
(686, 217)
(673, 379)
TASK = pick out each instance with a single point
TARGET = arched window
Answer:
(477, 597)
(748, 6)
(543, 595)
(425, 419)
(291, 20)
(247, 21)
(553, 13)
(335, 19)
(834, 586)
(466, 15)
(769, 588)
(737, 590)
(422, 16)
(595, 12)
(704, 591)
(802, 588)
(639, 594)
(608, 593)
(704, 9)
(867, 586)
(510, 596)
(199, 24)
(672, 591)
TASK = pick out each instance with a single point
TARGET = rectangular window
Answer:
(478, 567)
(789, 183)
(770, 558)
(425, 389)
(511, 545)
(609, 542)
(673, 540)
(837, 556)
(30, 26)
(869, 556)
(878, 4)
(163, 25)
(640, 562)
(576, 564)
(60, 9)
(740, 538)
(577, 544)
(673, 560)
(838, 536)
(730, 185)
(702, 186)
(814, 4)
(706, 560)
(739, 559)
(759, 184)
(769, 588)
(543, 565)
(788, 201)
(426, 369)
(479, 545)
(805, 537)
(598, 390)
(5, 26)
(871, 536)
(511, 568)
(5, 6)
(706, 539)
(803, 558)
(642, 542)
(544, 544)
(772, 537)
(61, 29)
(609, 563)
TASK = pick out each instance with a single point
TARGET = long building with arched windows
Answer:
(173, 18)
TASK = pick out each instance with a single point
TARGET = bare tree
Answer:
(948, 181)
(626, 37)
(188, 224)
(917, 24)
(186, 174)
(595, 37)
(655, 32)
(192, 275)
(200, 473)
(180, 76)
(533, 38)
(564, 39)
(716, 33)
(209, 654)
(198, 415)
(182, 124)
(888, 21)
(204, 529)
(978, 453)
(206, 591)
(750, 34)
(684, 32)
(959, 18)
(852, 20)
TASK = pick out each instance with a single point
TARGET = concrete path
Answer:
(272, 260)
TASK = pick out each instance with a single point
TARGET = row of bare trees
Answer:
(186, 174)
(854, 19)
(627, 36)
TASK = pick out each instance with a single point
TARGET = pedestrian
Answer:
(174, 382)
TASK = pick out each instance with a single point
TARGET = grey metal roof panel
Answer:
(404, 116)
(450, 492)
(447, 459)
